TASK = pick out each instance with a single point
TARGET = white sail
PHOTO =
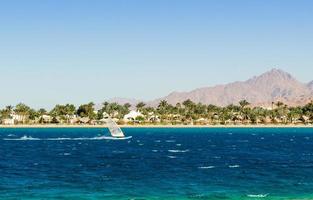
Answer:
(114, 129)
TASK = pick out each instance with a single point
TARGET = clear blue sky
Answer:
(79, 51)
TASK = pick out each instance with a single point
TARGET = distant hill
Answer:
(272, 86)
(310, 85)
(122, 101)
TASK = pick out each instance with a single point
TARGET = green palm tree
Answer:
(140, 106)
(243, 103)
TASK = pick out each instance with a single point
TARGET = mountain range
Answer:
(272, 86)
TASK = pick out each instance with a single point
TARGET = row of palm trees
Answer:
(187, 112)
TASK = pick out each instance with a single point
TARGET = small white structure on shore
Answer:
(46, 118)
(18, 118)
(132, 115)
(14, 118)
(8, 121)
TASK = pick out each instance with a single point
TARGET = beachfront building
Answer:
(154, 118)
(132, 116)
(8, 121)
(45, 119)
(14, 119)
(18, 118)
(84, 120)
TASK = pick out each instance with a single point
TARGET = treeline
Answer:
(187, 113)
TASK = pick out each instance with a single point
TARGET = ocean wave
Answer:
(206, 167)
(25, 137)
(172, 157)
(178, 151)
(234, 166)
(170, 141)
(257, 195)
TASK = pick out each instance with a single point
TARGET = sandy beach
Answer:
(160, 126)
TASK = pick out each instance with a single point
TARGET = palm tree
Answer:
(162, 109)
(140, 106)
(42, 111)
(243, 103)
(87, 110)
(22, 110)
(279, 104)
(127, 105)
(244, 112)
(163, 104)
(9, 108)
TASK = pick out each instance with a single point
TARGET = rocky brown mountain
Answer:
(272, 86)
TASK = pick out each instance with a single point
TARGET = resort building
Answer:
(8, 121)
(132, 115)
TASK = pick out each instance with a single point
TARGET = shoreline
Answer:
(159, 126)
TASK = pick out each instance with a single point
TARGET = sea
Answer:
(156, 163)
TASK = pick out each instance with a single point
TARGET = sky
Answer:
(74, 51)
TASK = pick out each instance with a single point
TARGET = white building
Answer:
(8, 121)
(46, 118)
(132, 115)
(18, 118)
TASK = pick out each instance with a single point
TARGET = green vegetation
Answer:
(185, 113)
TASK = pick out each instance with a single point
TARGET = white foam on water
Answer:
(154, 150)
(25, 137)
(178, 145)
(257, 195)
(170, 141)
(234, 166)
(157, 141)
(178, 151)
(172, 157)
(206, 167)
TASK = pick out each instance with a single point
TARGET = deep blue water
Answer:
(157, 163)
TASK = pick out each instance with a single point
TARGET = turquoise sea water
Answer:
(157, 163)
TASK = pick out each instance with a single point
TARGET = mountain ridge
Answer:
(271, 86)
(310, 85)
